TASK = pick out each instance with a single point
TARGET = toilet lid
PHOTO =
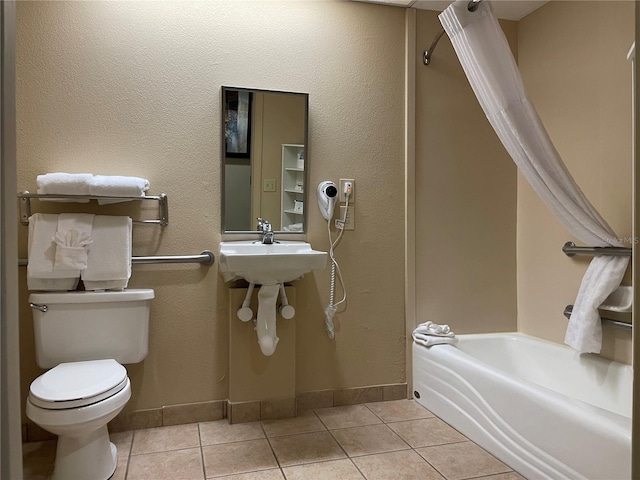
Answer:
(75, 384)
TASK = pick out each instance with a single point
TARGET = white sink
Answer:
(268, 264)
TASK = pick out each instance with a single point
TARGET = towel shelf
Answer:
(614, 319)
(163, 202)
(570, 249)
(205, 258)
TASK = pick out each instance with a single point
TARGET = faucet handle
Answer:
(264, 225)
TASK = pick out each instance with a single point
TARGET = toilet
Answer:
(84, 338)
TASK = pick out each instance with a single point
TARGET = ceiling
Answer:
(506, 9)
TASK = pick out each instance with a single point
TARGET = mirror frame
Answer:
(223, 157)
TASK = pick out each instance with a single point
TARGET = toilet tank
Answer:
(80, 326)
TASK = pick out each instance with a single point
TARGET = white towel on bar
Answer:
(40, 272)
(72, 239)
(117, 186)
(61, 183)
(109, 262)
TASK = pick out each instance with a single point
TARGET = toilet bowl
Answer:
(76, 334)
(75, 401)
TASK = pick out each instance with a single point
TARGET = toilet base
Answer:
(85, 457)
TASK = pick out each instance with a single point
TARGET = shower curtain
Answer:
(494, 76)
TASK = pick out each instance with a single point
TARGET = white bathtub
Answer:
(541, 408)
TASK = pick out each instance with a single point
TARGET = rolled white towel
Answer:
(429, 340)
(430, 328)
(117, 186)
(61, 183)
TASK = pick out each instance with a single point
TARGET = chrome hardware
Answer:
(264, 226)
(42, 308)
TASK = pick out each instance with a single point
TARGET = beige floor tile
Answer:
(502, 476)
(221, 431)
(38, 459)
(458, 461)
(121, 468)
(173, 465)
(122, 441)
(406, 464)
(275, 474)
(399, 410)
(427, 432)
(334, 470)
(368, 440)
(349, 416)
(238, 457)
(303, 423)
(306, 448)
(162, 439)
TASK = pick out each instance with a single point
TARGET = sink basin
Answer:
(268, 264)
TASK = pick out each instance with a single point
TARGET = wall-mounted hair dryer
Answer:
(327, 196)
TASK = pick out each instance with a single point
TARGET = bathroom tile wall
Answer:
(133, 88)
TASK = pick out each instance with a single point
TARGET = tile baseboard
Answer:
(238, 412)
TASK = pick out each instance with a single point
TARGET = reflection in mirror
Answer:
(264, 159)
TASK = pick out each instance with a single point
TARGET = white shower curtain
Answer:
(494, 76)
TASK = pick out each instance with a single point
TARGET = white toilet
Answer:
(84, 337)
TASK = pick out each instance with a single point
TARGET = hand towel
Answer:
(40, 272)
(429, 340)
(430, 328)
(61, 183)
(109, 260)
(117, 186)
(72, 238)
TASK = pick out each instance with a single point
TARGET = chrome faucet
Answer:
(264, 226)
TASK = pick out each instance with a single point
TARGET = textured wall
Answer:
(572, 56)
(134, 88)
(465, 199)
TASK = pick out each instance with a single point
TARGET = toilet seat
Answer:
(77, 384)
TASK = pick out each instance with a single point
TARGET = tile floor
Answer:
(387, 440)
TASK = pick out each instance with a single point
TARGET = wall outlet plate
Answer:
(341, 196)
(350, 221)
(269, 185)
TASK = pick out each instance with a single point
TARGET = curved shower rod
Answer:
(472, 7)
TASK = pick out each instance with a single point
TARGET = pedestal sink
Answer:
(268, 264)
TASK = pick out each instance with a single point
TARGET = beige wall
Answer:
(465, 199)
(133, 88)
(573, 61)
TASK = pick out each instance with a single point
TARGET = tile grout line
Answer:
(204, 468)
(126, 470)
(273, 452)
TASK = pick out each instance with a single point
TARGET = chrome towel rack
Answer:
(206, 258)
(570, 249)
(605, 321)
(25, 197)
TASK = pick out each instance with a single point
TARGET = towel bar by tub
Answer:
(205, 258)
(163, 202)
(570, 249)
(605, 321)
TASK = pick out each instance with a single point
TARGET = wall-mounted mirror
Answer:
(264, 159)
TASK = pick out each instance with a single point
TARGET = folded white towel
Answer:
(430, 328)
(109, 262)
(40, 272)
(117, 186)
(429, 340)
(294, 227)
(61, 183)
(72, 238)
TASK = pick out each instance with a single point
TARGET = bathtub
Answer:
(539, 407)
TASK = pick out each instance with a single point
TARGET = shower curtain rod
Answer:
(472, 7)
